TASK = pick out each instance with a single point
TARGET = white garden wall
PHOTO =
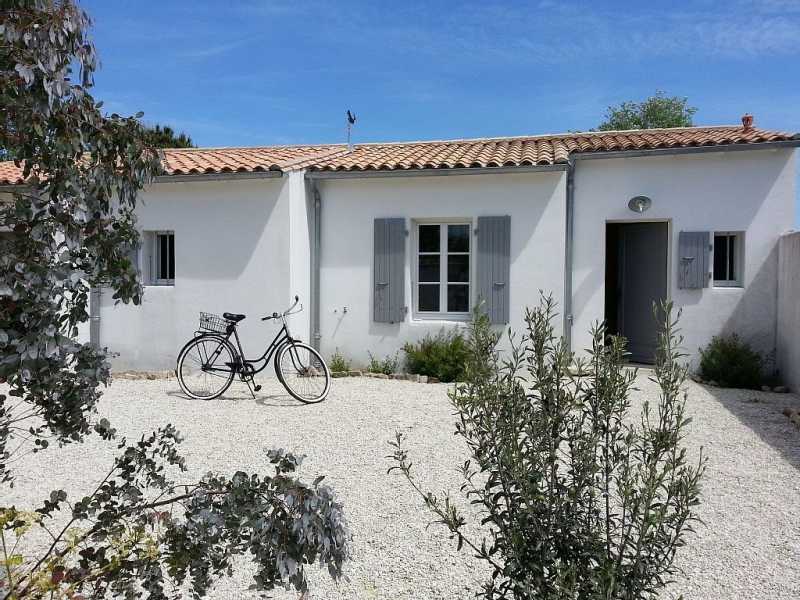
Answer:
(752, 192)
(535, 202)
(232, 253)
(789, 310)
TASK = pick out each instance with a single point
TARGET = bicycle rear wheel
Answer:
(206, 367)
(303, 372)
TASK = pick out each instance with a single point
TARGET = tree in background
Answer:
(145, 526)
(165, 137)
(659, 111)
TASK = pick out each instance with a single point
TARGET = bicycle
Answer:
(209, 362)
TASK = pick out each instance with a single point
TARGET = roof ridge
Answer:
(462, 140)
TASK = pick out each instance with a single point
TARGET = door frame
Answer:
(634, 221)
(668, 221)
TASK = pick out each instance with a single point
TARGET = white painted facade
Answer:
(246, 246)
(535, 201)
(752, 192)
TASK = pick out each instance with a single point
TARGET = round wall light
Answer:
(639, 204)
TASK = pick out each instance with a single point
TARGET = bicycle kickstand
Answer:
(252, 386)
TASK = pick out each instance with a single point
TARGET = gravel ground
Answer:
(749, 547)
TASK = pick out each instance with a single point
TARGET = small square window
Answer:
(160, 257)
(728, 259)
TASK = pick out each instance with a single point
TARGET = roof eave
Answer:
(431, 172)
(791, 143)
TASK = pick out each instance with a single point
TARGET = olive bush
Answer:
(71, 224)
(579, 499)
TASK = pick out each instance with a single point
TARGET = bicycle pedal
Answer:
(257, 388)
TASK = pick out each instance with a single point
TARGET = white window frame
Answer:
(154, 257)
(738, 260)
(442, 315)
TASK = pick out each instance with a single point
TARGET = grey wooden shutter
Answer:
(693, 251)
(389, 271)
(494, 248)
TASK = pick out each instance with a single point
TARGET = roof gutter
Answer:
(190, 177)
(433, 172)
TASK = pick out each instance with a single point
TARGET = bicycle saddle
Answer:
(233, 317)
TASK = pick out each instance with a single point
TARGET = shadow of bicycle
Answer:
(275, 400)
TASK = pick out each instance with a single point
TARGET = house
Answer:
(385, 242)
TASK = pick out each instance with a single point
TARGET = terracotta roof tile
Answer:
(447, 154)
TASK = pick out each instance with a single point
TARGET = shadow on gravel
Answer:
(762, 413)
(274, 400)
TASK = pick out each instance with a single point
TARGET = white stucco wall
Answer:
(535, 202)
(752, 192)
(232, 253)
(789, 310)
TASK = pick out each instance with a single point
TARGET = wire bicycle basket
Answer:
(212, 322)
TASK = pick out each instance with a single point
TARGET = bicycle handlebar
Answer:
(287, 312)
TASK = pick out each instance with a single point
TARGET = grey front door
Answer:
(642, 282)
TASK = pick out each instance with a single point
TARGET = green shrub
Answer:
(387, 365)
(730, 362)
(442, 356)
(338, 362)
(580, 495)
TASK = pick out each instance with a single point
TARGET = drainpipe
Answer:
(94, 317)
(568, 247)
(315, 268)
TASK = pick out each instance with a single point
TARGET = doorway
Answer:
(636, 278)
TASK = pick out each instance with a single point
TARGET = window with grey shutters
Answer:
(728, 258)
(693, 251)
(442, 269)
(389, 270)
(493, 266)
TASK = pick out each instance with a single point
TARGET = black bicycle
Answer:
(209, 362)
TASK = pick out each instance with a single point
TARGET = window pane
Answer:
(171, 274)
(732, 258)
(429, 298)
(457, 298)
(458, 267)
(163, 257)
(721, 257)
(429, 266)
(429, 238)
(458, 238)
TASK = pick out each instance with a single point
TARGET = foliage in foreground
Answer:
(441, 356)
(72, 223)
(140, 531)
(578, 500)
(657, 111)
(731, 362)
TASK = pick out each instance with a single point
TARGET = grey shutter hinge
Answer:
(406, 232)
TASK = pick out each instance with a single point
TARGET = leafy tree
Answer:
(580, 501)
(165, 137)
(659, 111)
(142, 528)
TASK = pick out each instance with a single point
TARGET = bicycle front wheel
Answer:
(303, 372)
(206, 367)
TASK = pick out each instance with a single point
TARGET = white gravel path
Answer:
(749, 548)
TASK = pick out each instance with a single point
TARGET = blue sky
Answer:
(257, 72)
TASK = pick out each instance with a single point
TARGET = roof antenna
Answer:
(351, 120)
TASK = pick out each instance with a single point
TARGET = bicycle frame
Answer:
(282, 338)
